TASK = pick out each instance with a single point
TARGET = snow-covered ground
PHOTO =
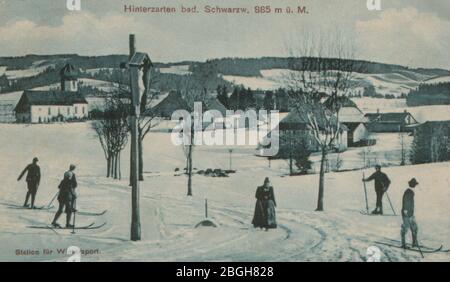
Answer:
(177, 69)
(386, 83)
(420, 113)
(340, 233)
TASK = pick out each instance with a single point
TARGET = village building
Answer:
(298, 127)
(391, 122)
(42, 106)
(354, 119)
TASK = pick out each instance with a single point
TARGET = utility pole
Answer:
(139, 65)
(135, 111)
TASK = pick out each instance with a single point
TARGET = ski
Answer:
(85, 227)
(427, 251)
(370, 214)
(17, 207)
(422, 247)
(92, 213)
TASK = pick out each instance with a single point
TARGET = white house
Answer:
(354, 119)
(53, 105)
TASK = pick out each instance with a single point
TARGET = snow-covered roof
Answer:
(351, 115)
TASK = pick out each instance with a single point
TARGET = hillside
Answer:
(31, 71)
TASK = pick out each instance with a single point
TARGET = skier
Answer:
(409, 221)
(382, 183)
(33, 180)
(264, 216)
(66, 197)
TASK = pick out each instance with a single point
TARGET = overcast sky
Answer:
(409, 32)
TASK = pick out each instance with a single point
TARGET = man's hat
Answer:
(35, 159)
(378, 166)
(72, 167)
(413, 183)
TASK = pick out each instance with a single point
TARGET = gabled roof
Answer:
(389, 117)
(211, 103)
(139, 59)
(51, 98)
(351, 115)
(297, 121)
(168, 105)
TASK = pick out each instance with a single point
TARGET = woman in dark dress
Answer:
(264, 216)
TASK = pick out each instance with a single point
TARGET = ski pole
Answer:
(365, 193)
(53, 199)
(390, 203)
(74, 215)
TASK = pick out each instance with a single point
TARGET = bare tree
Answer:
(193, 89)
(322, 68)
(147, 119)
(112, 132)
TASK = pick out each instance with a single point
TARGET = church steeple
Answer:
(69, 78)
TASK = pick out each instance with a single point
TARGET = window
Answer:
(49, 111)
(68, 110)
(76, 110)
(84, 110)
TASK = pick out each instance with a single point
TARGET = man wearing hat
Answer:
(33, 179)
(409, 221)
(382, 183)
(66, 197)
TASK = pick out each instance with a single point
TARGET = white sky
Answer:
(408, 32)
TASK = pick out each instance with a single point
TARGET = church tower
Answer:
(69, 78)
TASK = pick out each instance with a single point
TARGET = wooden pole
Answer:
(135, 215)
(365, 194)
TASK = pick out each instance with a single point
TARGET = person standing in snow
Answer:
(409, 221)
(382, 183)
(67, 197)
(33, 180)
(264, 216)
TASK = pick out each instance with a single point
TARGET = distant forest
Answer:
(430, 94)
(166, 81)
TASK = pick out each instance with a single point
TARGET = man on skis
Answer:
(33, 180)
(409, 221)
(382, 183)
(66, 197)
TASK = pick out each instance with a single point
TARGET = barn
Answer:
(391, 122)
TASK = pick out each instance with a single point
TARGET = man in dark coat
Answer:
(66, 197)
(264, 216)
(33, 180)
(409, 221)
(382, 183)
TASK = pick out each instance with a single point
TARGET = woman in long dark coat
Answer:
(264, 216)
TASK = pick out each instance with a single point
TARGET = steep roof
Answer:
(296, 121)
(51, 98)
(168, 105)
(351, 115)
(212, 103)
(389, 117)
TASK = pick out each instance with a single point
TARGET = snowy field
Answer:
(168, 217)
(385, 83)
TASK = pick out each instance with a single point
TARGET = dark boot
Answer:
(68, 217)
(27, 197)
